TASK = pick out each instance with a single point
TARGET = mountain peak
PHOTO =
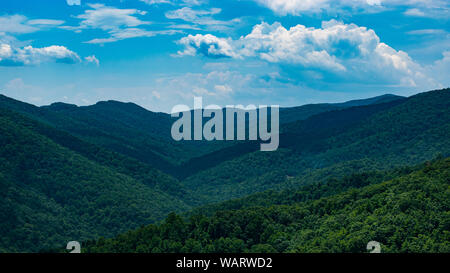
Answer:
(60, 106)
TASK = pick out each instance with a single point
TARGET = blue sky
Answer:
(159, 53)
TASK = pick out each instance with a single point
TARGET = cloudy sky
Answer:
(158, 53)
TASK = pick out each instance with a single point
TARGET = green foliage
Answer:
(335, 144)
(409, 213)
(51, 195)
(83, 173)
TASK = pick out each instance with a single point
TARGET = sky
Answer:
(160, 53)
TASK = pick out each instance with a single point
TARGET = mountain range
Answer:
(94, 172)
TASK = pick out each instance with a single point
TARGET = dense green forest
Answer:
(333, 144)
(131, 130)
(81, 173)
(50, 193)
(408, 213)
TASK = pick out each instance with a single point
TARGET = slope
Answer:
(50, 194)
(334, 144)
(409, 213)
(133, 131)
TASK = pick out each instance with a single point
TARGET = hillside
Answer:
(292, 114)
(135, 132)
(79, 173)
(409, 213)
(51, 194)
(333, 144)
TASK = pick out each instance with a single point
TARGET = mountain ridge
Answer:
(50, 158)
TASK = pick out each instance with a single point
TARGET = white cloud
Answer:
(344, 50)
(440, 70)
(415, 12)
(208, 45)
(223, 89)
(73, 2)
(190, 15)
(128, 33)
(11, 56)
(299, 7)
(201, 17)
(427, 32)
(175, 2)
(215, 84)
(119, 24)
(19, 24)
(16, 24)
(92, 59)
(152, 2)
(17, 53)
(110, 18)
(16, 84)
(46, 22)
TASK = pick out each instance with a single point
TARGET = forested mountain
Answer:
(306, 134)
(79, 173)
(408, 213)
(336, 143)
(51, 193)
(288, 115)
(113, 125)
(135, 132)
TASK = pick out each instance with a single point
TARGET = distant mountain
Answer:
(406, 213)
(288, 115)
(144, 135)
(331, 144)
(116, 126)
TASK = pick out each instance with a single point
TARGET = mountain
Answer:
(110, 125)
(288, 115)
(330, 144)
(81, 173)
(56, 188)
(135, 132)
(407, 213)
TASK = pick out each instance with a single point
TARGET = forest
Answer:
(110, 176)
(408, 213)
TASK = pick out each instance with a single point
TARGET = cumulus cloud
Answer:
(18, 53)
(209, 46)
(341, 50)
(11, 56)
